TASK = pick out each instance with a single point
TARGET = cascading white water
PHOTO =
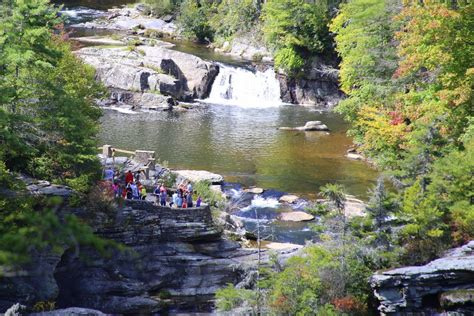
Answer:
(242, 87)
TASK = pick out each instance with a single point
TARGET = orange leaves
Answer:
(348, 304)
(425, 38)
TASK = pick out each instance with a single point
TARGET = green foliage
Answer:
(169, 179)
(233, 16)
(47, 113)
(163, 7)
(29, 224)
(194, 21)
(379, 209)
(408, 74)
(203, 189)
(288, 60)
(334, 193)
(44, 306)
(293, 28)
(48, 124)
(315, 281)
(230, 297)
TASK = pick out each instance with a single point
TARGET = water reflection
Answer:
(245, 145)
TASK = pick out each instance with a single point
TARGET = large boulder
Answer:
(443, 285)
(151, 69)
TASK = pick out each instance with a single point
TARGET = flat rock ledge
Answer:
(198, 175)
(444, 286)
(308, 127)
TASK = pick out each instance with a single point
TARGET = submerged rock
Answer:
(289, 198)
(297, 216)
(254, 190)
(443, 285)
(309, 126)
(71, 311)
(281, 246)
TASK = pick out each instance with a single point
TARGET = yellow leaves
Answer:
(381, 133)
(426, 37)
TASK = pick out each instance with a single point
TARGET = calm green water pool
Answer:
(244, 145)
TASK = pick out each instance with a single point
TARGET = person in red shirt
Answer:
(129, 177)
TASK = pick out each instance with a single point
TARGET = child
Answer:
(163, 196)
(143, 192)
(198, 202)
(185, 202)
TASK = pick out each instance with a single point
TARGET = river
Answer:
(235, 133)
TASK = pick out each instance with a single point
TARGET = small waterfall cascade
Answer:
(244, 88)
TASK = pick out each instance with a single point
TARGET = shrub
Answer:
(289, 60)
(202, 188)
(230, 297)
(233, 16)
(295, 27)
(168, 179)
(163, 7)
(194, 20)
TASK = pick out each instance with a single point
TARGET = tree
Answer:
(48, 123)
(193, 19)
(294, 28)
(48, 116)
(407, 70)
(380, 208)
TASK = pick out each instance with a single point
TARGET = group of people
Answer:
(181, 198)
(132, 189)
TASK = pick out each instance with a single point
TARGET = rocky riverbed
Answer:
(128, 70)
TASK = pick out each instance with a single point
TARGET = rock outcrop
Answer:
(148, 75)
(170, 255)
(444, 286)
(317, 86)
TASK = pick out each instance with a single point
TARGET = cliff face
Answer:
(442, 287)
(170, 252)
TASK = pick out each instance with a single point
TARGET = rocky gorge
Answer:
(170, 257)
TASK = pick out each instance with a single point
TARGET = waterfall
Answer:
(242, 87)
